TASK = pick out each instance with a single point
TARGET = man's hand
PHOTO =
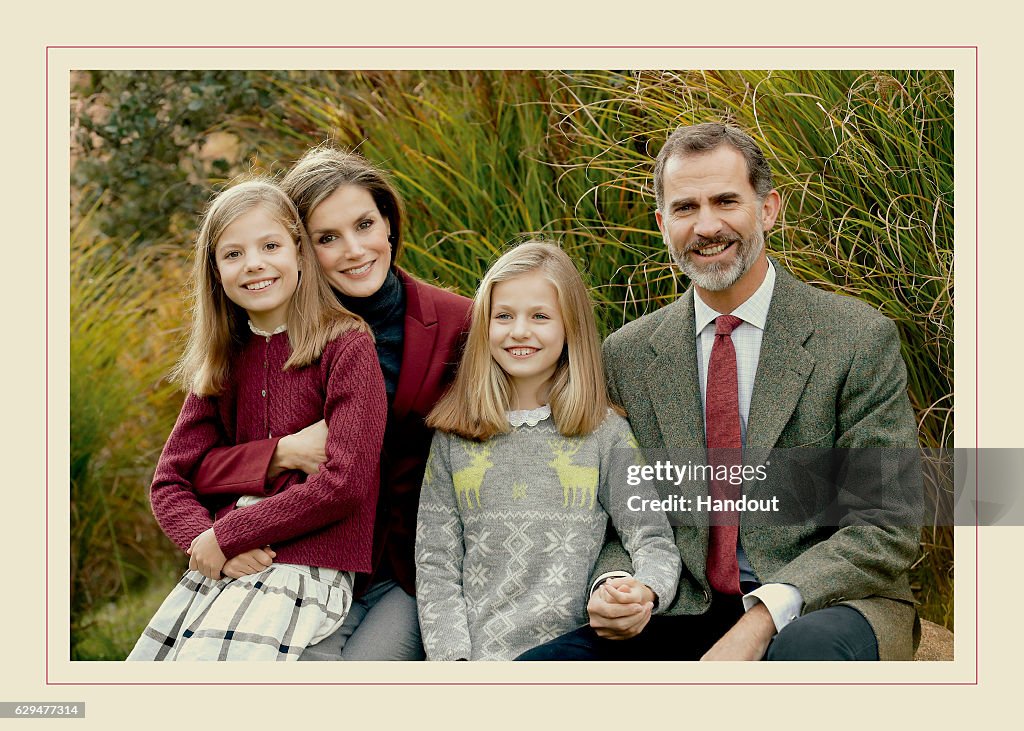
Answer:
(748, 639)
(304, 450)
(620, 608)
(250, 562)
(205, 555)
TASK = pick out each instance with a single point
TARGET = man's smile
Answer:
(711, 250)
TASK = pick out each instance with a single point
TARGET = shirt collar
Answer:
(529, 417)
(257, 331)
(754, 310)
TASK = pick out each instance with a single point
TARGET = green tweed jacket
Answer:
(830, 374)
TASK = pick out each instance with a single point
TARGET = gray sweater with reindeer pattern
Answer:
(509, 531)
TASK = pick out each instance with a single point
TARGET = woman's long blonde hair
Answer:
(475, 407)
(219, 326)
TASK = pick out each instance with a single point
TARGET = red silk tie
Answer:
(724, 441)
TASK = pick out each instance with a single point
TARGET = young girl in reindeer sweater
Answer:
(528, 463)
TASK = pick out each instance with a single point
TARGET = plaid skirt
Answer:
(271, 615)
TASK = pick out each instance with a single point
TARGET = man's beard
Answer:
(716, 276)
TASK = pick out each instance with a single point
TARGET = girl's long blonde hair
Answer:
(475, 407)
(219, 326)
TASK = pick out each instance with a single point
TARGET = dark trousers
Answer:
(834, 633)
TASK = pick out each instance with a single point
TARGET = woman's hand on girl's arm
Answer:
(205, 555)
(249, 562)
(356, 410)
(250, 468)
(304, 450)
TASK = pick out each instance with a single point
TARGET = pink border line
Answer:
(46, 471)
(524, 47)
(977, 349)
(46, 371)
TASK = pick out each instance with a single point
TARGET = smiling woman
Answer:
(352, 241)
(355, 219)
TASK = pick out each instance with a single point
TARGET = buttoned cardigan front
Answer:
(324, 520)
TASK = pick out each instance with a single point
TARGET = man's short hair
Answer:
(700, 138)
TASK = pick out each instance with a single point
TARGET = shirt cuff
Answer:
(608, 575)
(783, 602)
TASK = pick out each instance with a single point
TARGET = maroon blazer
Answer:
(435, 324)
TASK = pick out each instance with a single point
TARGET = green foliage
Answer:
(863, 160)
(143, 137)
(466, 148)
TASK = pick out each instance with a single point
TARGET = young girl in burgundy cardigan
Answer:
(270, 352)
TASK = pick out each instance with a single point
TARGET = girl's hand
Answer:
(205, 555)
(620, 608)
(250, 562)
(304, 450)
(627, 590)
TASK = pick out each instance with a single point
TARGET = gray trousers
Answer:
(382, 625)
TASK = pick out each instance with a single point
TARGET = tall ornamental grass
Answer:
(468, 150)
(121, 307)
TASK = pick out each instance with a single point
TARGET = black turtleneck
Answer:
(384, 312)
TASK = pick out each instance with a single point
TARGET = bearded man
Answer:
(750, 358)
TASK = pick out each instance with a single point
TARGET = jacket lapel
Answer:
(672, 382)
(418, 339)
(783, 367)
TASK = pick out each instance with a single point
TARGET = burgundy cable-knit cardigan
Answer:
(324, 520)
(435, 323)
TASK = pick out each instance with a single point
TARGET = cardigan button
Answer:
(264, 393)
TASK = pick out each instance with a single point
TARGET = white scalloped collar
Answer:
(530, 417)
(257, 331)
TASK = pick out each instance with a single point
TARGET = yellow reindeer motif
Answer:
(470, 478)
(428, 470)
(576, 480)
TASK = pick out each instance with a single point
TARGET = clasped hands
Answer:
(305, 450)
(621, 608)
(206, 557)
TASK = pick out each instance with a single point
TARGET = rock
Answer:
(936, 642)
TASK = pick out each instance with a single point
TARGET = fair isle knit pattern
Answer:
(509, 532)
